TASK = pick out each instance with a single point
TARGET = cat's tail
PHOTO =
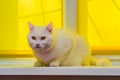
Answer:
(100, 62)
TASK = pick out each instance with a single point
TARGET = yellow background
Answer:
(8, 25)
(103, 27)
(104, 23)
(15, 14)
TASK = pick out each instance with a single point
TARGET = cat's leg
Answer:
(86, 62)
(54, 63)
(39, 64)
(75, 62)
(82, 61)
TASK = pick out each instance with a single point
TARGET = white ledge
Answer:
(100, 71)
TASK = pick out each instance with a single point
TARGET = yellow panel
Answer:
(24, 30)
(36, 19)
(29, 7)
(93, 37)
(106, 16)
(82, 18)
(55, 18)
(50, 5)
(8, 25)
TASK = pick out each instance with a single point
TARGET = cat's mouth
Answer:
(38, 46)
(41, 46)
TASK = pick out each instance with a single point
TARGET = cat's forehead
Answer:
(38, 31)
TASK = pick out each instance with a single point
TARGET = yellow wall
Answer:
(102, 29)
(98, 21)
(15, 14)
(104, 22)
(82, 9)
(39, 12)
(8, 25)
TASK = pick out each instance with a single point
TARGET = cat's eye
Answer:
(33, 37)
(43, 38)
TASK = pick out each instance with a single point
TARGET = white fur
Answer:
(62, 47)
(68, 50)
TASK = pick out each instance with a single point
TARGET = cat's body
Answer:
(68, 46)
(60, 47)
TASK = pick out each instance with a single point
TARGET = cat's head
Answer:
(40, 38)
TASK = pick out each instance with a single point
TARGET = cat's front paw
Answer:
(37, 64)
(54, 64)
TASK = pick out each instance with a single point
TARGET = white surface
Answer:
(24, 66)
(17, 62)
(107, 71)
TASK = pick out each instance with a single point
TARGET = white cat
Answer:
(59, 47)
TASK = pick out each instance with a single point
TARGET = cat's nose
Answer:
(37, 45)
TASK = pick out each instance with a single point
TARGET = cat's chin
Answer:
(36, 48)
(40, 48)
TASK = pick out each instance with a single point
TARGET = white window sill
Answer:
(24, 66)
(101, 71)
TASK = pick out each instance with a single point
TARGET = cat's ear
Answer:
(31, 26)
(50, 27)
